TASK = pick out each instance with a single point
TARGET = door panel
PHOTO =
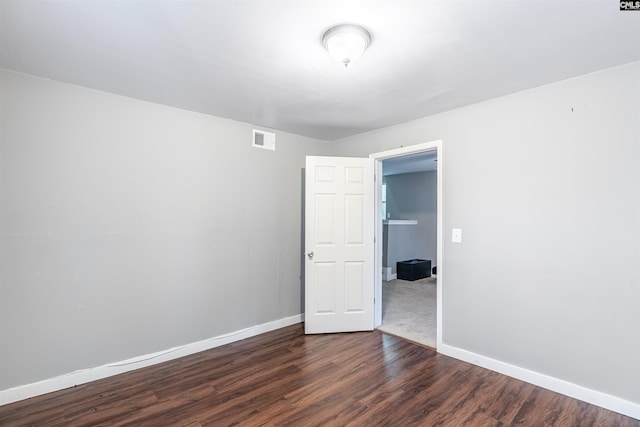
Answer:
(339, 219)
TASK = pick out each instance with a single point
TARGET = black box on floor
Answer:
(413, 269)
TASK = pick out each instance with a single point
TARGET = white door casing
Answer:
(339, 241)
(400, 152)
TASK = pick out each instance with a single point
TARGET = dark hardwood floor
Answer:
(286, 378)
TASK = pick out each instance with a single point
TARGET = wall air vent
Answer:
(262, 139)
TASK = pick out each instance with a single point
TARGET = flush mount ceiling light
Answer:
(346, 42)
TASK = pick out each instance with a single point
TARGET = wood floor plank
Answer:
(508, 400)
(286, 378)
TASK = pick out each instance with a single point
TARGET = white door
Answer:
(339, 267)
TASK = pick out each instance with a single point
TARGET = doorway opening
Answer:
(409, 225)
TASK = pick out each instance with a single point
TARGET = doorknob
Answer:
(310, 255)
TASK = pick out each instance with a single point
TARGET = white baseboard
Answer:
(91, 374)
(387, 275)
(594, 397)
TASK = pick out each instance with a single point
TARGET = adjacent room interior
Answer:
(409, 201)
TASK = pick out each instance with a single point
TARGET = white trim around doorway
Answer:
(378, 158)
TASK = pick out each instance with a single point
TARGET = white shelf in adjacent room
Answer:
(400, 222)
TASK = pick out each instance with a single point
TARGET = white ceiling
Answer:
(262, 61)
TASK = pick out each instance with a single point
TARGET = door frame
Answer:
(378, 158)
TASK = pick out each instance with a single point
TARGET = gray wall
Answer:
(547, 276)
(399, 244)
(128, 227)
(414, 196)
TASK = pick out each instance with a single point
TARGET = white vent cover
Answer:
(262, 139)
